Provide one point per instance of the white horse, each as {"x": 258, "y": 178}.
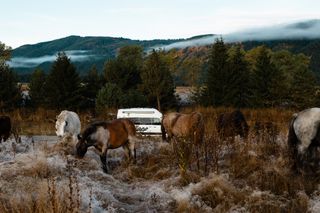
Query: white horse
{"x": 68, "y": 122}
{"x": 304, "y": 135}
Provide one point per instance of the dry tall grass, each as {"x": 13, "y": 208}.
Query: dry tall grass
{"x": 236, "y": 175}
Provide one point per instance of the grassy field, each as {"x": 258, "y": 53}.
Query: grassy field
{"x": 251, "y": 175}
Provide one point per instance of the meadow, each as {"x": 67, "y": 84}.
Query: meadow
{"x": 235, "y": 175}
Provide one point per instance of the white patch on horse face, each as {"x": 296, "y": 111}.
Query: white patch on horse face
{"x": 60, "y": 126}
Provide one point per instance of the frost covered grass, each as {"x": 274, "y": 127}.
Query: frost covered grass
{"x": 235, "y": 175}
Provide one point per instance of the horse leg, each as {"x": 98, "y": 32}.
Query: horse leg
{"x": 103, "y": 158}
{"x": 6, "y": 136}
{"x": 126, "y": 151}
{"x": 132, "y": 150}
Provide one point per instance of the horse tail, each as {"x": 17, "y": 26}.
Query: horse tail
{"x": 163, "y": 131}
{"x": 293, "y": 140}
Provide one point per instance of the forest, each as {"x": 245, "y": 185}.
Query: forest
{"x": 221, "y": 74}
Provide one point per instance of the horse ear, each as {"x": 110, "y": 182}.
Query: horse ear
{"x": 79, "y": 137}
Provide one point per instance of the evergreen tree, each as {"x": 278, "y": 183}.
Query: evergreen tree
{"x": 238, "y": 92}
{"x": 109, "y": 96}
{"x": 218, "y": 76}
{"x": 63, "y": 84}
{"x": 37, "y": 87}
{"x": 157, "y": 81}
{"x": 92, "y": 83}
{"x": 303, "y": 90}
{"x": 125, "y": 69}
{"x": 9, "y": 92}
{"x": 266, "y": 80}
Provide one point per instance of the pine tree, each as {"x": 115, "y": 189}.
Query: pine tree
{"x": 63, "y": 84}
{"x": 218, "y": 76}
{"x": 303, "y": 90}
{"x": 37, "y": 87}
{"x": 265, "y": 79}
{"x": 9, "y": 92}
{"x": 125, "y": 69}
{"x": 157, "y": 81}
{"x": 92, "y": 83}
{"x": 109, "y": 96}
{"x": 238, "y": 92}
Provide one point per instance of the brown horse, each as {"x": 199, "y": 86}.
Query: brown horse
{"x": 231, "y": 124}
{"x": 183, "y": 125}
{"x": 108, "y": 135}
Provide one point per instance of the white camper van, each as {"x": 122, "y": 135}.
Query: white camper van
{"x": 146, "y": 120}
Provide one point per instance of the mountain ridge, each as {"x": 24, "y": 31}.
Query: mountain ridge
{"x": 86, "y": 51}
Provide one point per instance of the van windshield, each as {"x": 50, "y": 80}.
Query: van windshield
{"x": 147, "y": 121}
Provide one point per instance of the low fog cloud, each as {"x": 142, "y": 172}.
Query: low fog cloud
{"x": 74, "y": 55}
{"x": 302, "y": 30}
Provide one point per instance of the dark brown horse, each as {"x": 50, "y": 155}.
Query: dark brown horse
{"x": 5, "y": 127}
{"x": 108, "y": 135}
{"x": 231, "y": 124}
{"x": 183, "y": 125}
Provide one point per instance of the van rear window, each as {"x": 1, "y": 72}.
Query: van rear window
{"x": 147, "y": 121}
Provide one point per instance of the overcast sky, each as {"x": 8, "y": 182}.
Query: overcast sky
{"x": 33, "y": 21}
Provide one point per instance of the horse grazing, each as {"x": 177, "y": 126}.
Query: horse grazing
{"x": 183, "y": 125}
{"x": 5, "y": 127}
{"x": 304, "y": 136}
{"x": 108, "y": 135}
{"x": 231, "y": 124}
{"x": 68, "y": 122}
{"x": 178, "y": 125}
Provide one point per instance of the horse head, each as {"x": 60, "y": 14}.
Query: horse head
{"x": 82, "y": 146}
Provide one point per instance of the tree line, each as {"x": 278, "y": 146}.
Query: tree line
{"x": 257, "y": 78}
{"x": 229, "y": 76}
{"x": 132, "y": 79}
